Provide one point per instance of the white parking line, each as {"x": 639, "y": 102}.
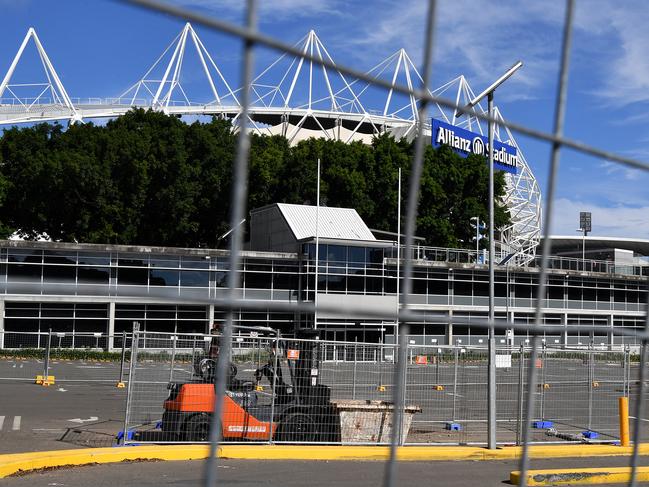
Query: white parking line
{"x": 2, "y": 421}
{"x": 16, "y": 425}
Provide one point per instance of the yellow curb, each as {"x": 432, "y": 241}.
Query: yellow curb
{"x": 22, "y": 462}
{"x": 581, "y": 476}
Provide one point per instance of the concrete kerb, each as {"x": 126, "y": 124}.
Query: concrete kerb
{"x": 581, "y": 476}
{"x": 24, "y": 462}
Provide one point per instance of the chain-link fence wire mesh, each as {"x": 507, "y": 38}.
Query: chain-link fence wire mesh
{"x": 251, "y": 37}
{"x": 315, "y": 391}
{"x": 65, "y": 356}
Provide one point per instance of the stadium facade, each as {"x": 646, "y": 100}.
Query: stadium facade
{"x": 105, "y": 288}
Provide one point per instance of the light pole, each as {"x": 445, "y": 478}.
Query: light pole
{"x": 585, "y": 225}
{"x": 491, "y": 376}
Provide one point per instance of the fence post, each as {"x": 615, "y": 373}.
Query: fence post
{"x": 193, "y": 355}
{"x": 174, "y": 339}
{"x": 354, "y": 373}
{"x": 590, "y": 384}
{"x": 521, "y": 393}
{"x": 120, "y": 382}
{"x": 544, "y": 364}
{"x": 381, "y": 352}
{"x": 403, "y": 401}
{"x": 627, "y": 370}
{"x": 135, "y": 338}
{"x": 273, "y": 393}
{"x": 455, "y": 381}
{"x": 437, "y": 368}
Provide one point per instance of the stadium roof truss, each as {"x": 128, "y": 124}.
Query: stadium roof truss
{"x": 294, "y": 97}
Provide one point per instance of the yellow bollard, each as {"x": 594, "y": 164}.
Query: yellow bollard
{"x": 623, "y": 404}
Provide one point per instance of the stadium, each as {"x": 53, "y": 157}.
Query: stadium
{"x": 87, "y": 289}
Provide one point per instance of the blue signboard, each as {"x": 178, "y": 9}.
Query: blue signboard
{"x": 464, "y": 142}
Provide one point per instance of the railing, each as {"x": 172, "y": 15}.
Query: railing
{"x": 466, "y": 256}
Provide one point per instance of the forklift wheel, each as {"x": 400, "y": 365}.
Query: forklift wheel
{"x": 297, "y": 427}
{"x": 197, "y": 428}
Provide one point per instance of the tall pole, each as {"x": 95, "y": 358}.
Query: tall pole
{"x": 491, "y": 394}
{"x": 396, "y": 321}
{"x": 317, "y": 250}
{"x": 491, "y": 376}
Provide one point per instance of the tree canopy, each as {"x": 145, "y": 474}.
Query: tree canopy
{"x": 151, "y": 179}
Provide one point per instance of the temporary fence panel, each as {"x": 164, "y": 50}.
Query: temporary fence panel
{"x": 278, "y": 390}
{"x": 64, "y": 356}
{"x": 22, "y": 356}
{"x": 290, "y": 390}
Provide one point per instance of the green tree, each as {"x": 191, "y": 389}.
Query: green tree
{"x": 148, "y": 178}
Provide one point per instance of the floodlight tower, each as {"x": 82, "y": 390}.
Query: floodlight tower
{"x": 491, "y": 378}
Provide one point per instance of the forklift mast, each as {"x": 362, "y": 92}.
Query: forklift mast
{"x": 305, "y": 371}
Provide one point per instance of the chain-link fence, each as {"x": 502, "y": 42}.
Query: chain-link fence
{"x": 311, "y": 390}
{"x": 65, "y": 356}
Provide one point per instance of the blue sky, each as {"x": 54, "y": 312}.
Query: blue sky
{"x": 100, "y": 48}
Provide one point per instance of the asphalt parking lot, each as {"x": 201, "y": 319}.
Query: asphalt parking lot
{"x": 36, "y": 418}
{"x": 85, "y": 408}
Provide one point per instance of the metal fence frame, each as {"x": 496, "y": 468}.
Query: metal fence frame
{"x": 578, "y": 392}
{"x": 251, "y": 37}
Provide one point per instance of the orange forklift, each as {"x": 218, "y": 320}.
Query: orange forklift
{"x": 299, "y": 410}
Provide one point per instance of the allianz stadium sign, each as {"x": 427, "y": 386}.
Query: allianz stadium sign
{"x": 464, "y": 142}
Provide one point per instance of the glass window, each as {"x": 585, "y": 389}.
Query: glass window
{"x": 59, "y": 273}
{"x": 93, "y": 259}
{"x": 357, "y": 255}
{"x": 163, "y": 277}
{"x": 258, "y": 280}
{"x": 285, "y": 281}
{"x": 93, "y": 275}
{"x": 336, "y": 283}
{"x": 376, "y": 256}
{"x": 220, "y": 279}
{"x": 374, "y": 284}
{"x": 195, "y": 263}
{"x": 356, "y": 284}
{"x": 574, "y": 293}
{"x": 337, "y": 254}
{"x": 23, "y": 272}
{"x": 462, "y": 288}
{"x": 31, "y": 256}
{"x": 195, "y": 278}
{"x": 166, "y": 262}
{"x": 259, "y": 265}
{"x": 24, "y": 265}
{"x": 481, "y": 289}
{"x": 419, "y": 286}
{"x": 64, "y": 271}
{"x": 137, "y": 275}
{"x": 53, "y": 257}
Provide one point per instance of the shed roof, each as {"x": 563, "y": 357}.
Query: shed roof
{"x": 340, "y": 223}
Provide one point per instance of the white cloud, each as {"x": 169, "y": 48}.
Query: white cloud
{"x": 621, "y": 59}
{"x": 467, "y": 40}
{"x": 269, "y": 10}
{"x": 618, "y": 221}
